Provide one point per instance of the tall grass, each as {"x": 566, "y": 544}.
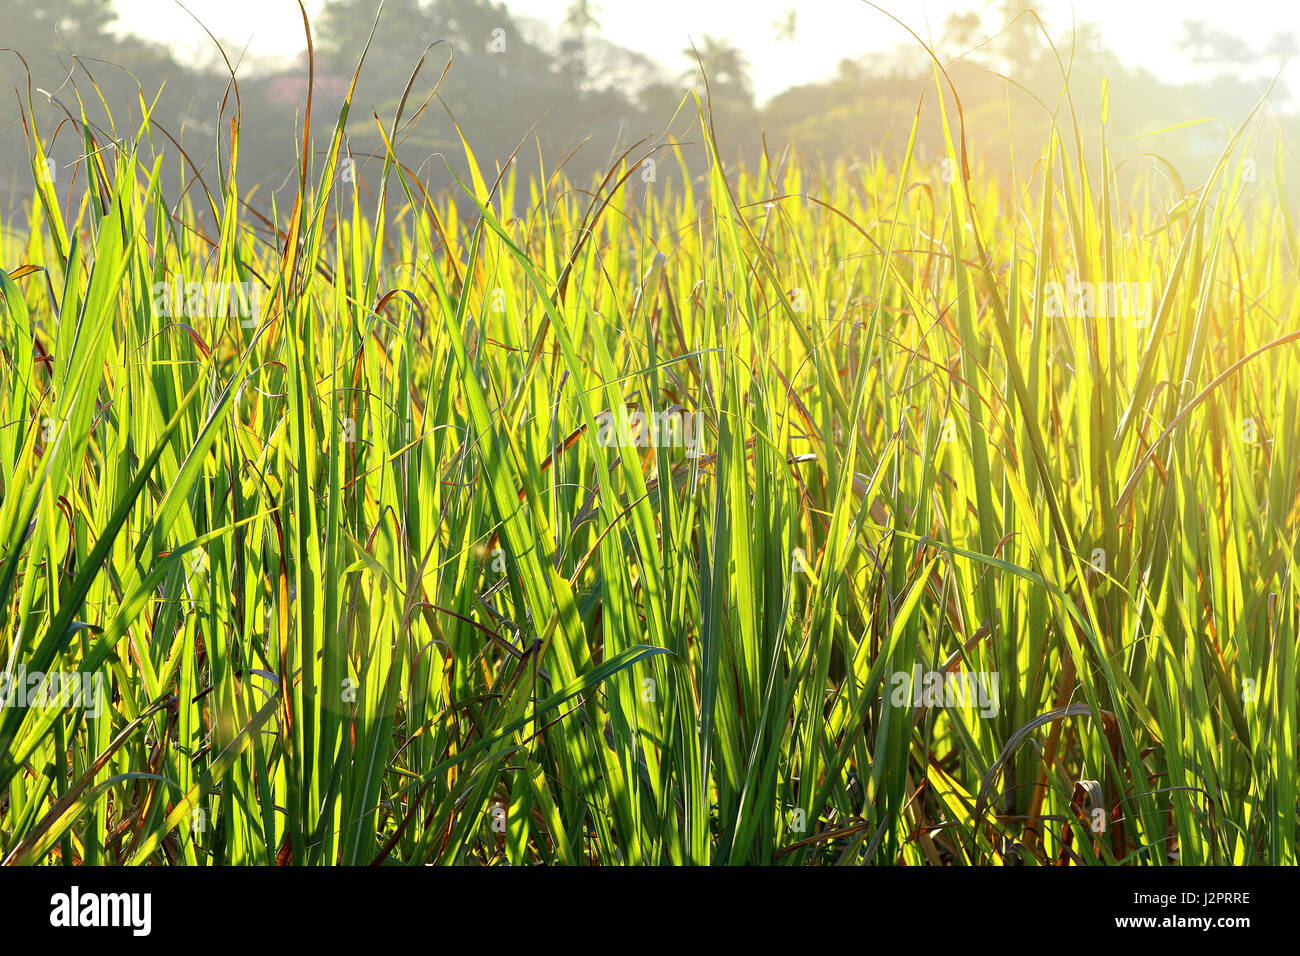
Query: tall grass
{"x": 366, "y": 584}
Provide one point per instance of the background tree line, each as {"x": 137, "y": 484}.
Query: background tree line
{"x": 563, "y": 94}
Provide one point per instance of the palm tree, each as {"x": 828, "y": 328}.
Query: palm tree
{"x": 1019, "y": 42}
{"x": 724, "y": 65}
{"x": 1195, "y": 39}
{"x": 580, "y": 18}
{"x": 959, "y": 32}
{"x": 579, "y": 21}
{"x": 785, "y": 27}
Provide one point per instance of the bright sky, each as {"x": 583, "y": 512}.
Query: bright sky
{"x": 1138, "y": 31}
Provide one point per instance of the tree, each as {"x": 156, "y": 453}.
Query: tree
{"x": 508, "y": 83}
{"x": 959, "y": 32}
{"x": 786, "y": 26}
{"x": 47, "y": 35}
{"x": 1193, "y": 40}
{"x": 1212, "y": 47}
{"x": 579, "y": 22}
{"x": 1020, "y": 42}
{"x": 724, "y": 65}
{"x": 580, "y": 18}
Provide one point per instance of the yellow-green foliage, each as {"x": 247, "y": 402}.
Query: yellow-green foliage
{"x": 370, "y": 575}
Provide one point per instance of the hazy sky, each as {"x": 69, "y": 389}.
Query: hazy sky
{"x": 1138, "y": 31}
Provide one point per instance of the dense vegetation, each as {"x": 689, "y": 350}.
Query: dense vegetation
{"x": 632, "y": 521}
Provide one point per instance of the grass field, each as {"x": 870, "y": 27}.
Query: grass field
{"x": 875, "y": 513}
